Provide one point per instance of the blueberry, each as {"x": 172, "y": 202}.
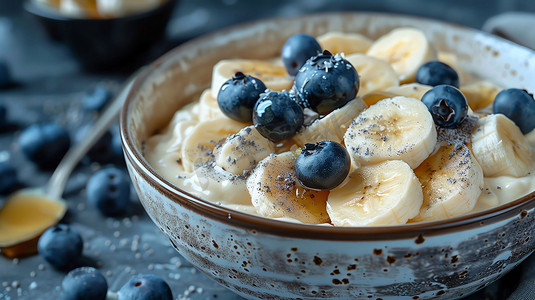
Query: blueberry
{"x": 436, "y": 73}
{"x": 297, "y": 50}
{"x": 518, "y": 105}
{"x": 276, "y": 116}
{"x": 109, "y": 191}
{"x": 116, "y": 144}
{"x": 8, "y": 177}
{"x": 326, "y": 82}
{"x": 85, "y": 283}
{"x": 5, "y": 75}
{"x": 3, "y": 115}
{"x": 45, "y": 144}
{"x": 238, "y": 95}
{"x": 145, "y": 287}
{"x": 322, "y": 166}
{"x": 447, "y": 105}
{"x": 61, "y": 246}
{"x": 97, "y": 99}
{"x": 101, "y": 150}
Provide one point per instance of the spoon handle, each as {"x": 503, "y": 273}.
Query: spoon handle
{"x": 58, "y": 180}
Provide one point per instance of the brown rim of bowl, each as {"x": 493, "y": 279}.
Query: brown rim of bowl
{"x": 256, "y": 223}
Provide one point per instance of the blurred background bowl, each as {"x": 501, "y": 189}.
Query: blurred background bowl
{"x": 108, "y": 42}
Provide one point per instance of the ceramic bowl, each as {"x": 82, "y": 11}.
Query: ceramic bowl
{"x": 104, "y": 43}
{"x": 263, "y": 258}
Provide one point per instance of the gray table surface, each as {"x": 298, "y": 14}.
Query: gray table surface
{"x": 51, "y": 85}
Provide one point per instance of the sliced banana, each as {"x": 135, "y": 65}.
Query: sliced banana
{"x": 395, "y": 128}
{"x": 333, "y": 126}
{"x": 406, "y": 49}
{"x": 376, "y": 96}
{"x": 201, "y": 140}
{"x": 374, "y": 74}
{"x": 480, "y": 94}
{"x": 242, "y": 151}
{"x": 500, "y": 147}
{"x": 208, "y": 107}
{"x": 276, "y": 193}
{"x": 342, "y": 42}
{"x": 452, "y": 181}
{"x": 387, "y": 193}
{"x": 411, "y": 90}
{"x": 272, "y": 73}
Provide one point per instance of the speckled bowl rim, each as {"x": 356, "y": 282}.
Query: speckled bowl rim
{"x": 209, "y": 209}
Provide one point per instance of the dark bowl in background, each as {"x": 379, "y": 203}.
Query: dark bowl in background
{"x": 104, "y": 43}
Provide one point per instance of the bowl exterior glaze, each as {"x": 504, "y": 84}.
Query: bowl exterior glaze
{"x": 263, "y": 258}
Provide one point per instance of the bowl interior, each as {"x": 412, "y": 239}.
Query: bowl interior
{"x": 181, "y": 75}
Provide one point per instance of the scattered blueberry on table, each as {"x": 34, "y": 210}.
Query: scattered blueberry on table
{"x": 326, "y": 82}
{"x": 109, "y": 191}
{"x": 435, "y": 73}
{"x": 45, "y": 144}
{"x": 447, "y": 105}
{"x": 238, "y": 95}
{"x": 101, "y": 150}
{"x": 97, "y": 99}
{"x": 322, "y": 166}
{"x": 84, "y": 283}
{"x": 518, "y": 105}
{"x": 5, "y": 75}
{"x": 3, "y": 115}
{"x": 145, "y": 287}
{"x": 277, "y": 116}
{"x": 8, "y": 177}
{"x": 297, "y": 50}
{"x": 61, "y": 246}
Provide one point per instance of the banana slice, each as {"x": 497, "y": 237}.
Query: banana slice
{"x": 272, "y": 73}
{"x": 276, "y": 193}
{"x": 343, "y": 42}
{"x": 452, "y": 181}
{"x": 480, "y": 94}
{"x": 374, "y": 74}
{"x": 208, "y": 107}
{"x": 242, "y": 151}
{"x": 411, "y": 90}
{"x": 395, "y": 128}
{"x": 500, "y": 147}
{"x": 331, "y": 127}
{"x": 201, "y": 140}
{"x": 452, "y": 60}
{"x": 406, "y": 49}
{"x": 376, "y": 96}
{"x": 387, "y": 193}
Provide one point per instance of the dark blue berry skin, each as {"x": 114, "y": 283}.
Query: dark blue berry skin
{"x": 101, "y": 150}
{"x": 84, "y": 283}
{"x": 276, "y": 116}
{"x": 447, "y": 105}
{"x": 435, "y": 73}
{"x": 322, "y": 166}
{"x": 97, "y": 99}
{"x": 297, "y": 50}
{"x": 145, "y": 287}
{"x": 109, "y": 191}
{"x": 326, "y": 82}
{"x": 518, "y": 105}
{"x": 45, "y": 144}
{"x": 238, "y": 95}
{"x": 3, "y": 116}
{"x": 5, "y": 75}
{"x": 116, "y": 144}
{"x": 8, "y": 177}
{"x": 61, "y": 246}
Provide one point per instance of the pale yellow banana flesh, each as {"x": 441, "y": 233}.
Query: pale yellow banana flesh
{"x": 395, "y": 128}
{"x": 347, "y": 43}
{"x": 480, "y": 94}
{"x": 374, "y": 74}
{"x": 208, "y": 107}
{"x": 276, "y": 193}
{"x": 331, "y": 127}
{"x": 242, "y": 151}
{"x": 411, "y": 90}
{"x": 406, "y": 49}
{"x": 198, "y": 146}
{"x": 271, "y": 73}
{"x": 500, "y": 147}
{"x": 387, "y": 193}
{"x": 452, "y": 181}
